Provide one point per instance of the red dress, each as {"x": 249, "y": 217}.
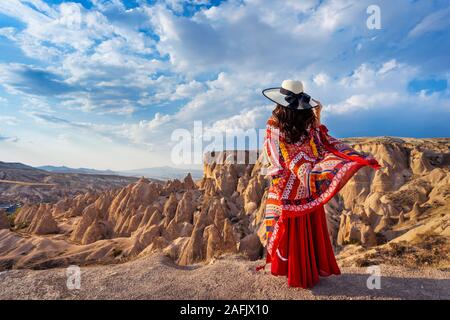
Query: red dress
{"x": 305, "y": 175}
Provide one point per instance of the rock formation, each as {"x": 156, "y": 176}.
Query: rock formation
{"x": 355, "y": 228}
{"x": 43, "y": 224}
{"x": 37, "y": 220}
{"x": 251, "y": 246}
{"x": 224, "y": 212}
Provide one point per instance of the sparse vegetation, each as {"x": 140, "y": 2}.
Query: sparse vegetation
{"x": 11, "y": 218}
{"x": 432, "y": 250}
{"x": 350, "y": 242}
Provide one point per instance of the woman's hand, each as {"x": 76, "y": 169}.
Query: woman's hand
{"x": 317, "y": 111}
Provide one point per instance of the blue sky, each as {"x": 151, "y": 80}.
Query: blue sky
{"x": 104, "y": 83}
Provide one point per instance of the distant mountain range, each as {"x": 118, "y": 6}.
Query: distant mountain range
{"x": 15, "y": 165}
{"x": 161, "y": 173}
{"x": 65, "y": 169}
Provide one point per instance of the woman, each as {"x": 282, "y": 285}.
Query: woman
{"x": 307, "y": 168}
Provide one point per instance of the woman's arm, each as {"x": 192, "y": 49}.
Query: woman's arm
{"x": 341, "y": 149}
{"x": 336, "y": 145}
{"x": 317, "y": 112}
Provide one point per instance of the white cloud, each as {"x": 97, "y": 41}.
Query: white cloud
{"x": 321, "y": 79}
{"x": 248, "y": 119}
{"x": 374, "y": 87}
{"x": 362, "y": 77}
{"x": 8, "y": 32}
{"x": 359, "y": 102}
{"x": 177, "y": 5}
{"x": 8, "y": 120}
{"x": 436, "y": 21}
{"x": 104, "y": 60}
{"x": 188, "y": 90}
{"x": 388, "y": 66}
{"x": 144, "y": 132}
{"x": 334, "y": 15}
{"x": 226, "y": 95}
{"x": 261, "y": 35}
{"x": 137, "y": 74}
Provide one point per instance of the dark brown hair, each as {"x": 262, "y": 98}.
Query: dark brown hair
{"x": 293, "y": 123}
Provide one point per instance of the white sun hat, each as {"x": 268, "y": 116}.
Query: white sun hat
{"x": 290, "y": 95}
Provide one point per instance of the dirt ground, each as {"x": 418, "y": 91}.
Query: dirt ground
{"x": 231, "y": 277}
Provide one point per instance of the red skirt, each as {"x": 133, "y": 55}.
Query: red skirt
{"x": 305, "y": 251}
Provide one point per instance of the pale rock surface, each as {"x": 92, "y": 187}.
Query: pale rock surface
{"x": 185, "y": 208}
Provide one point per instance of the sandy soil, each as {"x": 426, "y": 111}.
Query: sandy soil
{"x": 231, "y": 277}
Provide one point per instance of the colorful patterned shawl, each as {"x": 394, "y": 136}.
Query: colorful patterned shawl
{"x": 305, "y": 175}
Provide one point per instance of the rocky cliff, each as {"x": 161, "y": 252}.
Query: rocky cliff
{"x": 403, "y": 205}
